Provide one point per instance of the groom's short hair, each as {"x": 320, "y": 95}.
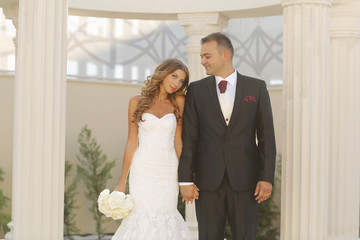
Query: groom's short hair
{"x": 221, "y": 39}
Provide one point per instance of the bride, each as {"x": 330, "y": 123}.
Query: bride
{"x": 152, "y": 151}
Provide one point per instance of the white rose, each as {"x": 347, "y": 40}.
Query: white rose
{"x": 129, "y": 202}
{"x": 103, "y": 201}
{"x": 116, "y": 199}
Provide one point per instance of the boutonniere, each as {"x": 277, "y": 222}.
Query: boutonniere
{"x": 248, "y": 99}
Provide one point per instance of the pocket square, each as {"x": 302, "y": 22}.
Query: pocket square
{"x": 248, "y": 99}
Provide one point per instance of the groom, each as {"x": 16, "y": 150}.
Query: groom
{"x": 228, "y": 145}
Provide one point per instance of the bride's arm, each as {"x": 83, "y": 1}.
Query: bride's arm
{"x": 180, "y": 100}
{"x": 131, "y": 145}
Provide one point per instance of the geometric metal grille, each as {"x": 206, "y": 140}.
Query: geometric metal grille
{"x": 129, "y": 50}
{"x": 258, "y": 50}
{"x": 258, "y": 47}
{"x": 137, "y": 51}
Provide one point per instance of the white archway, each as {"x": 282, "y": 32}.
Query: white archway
{"x": 319, "y": 143}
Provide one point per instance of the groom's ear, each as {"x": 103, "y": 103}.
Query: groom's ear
{"x": 226, "y": 55}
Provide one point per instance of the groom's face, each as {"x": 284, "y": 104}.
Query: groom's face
{"x": 212, "y": 58}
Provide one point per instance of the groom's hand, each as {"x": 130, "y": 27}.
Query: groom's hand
{"x": 189, "y": 193}
{"x": 263, "y": 191}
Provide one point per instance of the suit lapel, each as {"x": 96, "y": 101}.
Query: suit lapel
{"x": 215, "y": 99}
{"x": 241, "y": 87}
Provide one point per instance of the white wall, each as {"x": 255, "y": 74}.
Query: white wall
{"x": 103, "y": 108}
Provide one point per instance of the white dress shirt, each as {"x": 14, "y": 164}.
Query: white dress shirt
{"x": 226, "y": 99}
{"x": 230, "y": 88}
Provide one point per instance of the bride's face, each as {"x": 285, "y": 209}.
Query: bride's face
{"x": 173, "y": 81}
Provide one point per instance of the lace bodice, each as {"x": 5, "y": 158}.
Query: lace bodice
{"x": 157, "y": 134}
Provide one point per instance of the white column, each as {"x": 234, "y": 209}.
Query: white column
{"x": 197, "y": 26}
{"x": 344, "y": 180}
{"x": 304, "y": 202}
{"x": 39, "y": 121}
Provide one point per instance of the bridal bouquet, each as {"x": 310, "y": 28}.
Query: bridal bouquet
{"x": 116, "y": 205}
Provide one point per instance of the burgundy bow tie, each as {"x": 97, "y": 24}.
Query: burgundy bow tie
{"x": 222, "y": 86}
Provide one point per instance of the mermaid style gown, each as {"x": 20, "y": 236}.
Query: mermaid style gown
{"x": 154, "y": 185}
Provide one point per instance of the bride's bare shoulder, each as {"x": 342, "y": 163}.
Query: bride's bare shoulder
{"x": 134, "y": 102}
{"x": 135, "y": 99}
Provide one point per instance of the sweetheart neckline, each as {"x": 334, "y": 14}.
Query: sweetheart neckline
{"x": 158, "y": 117}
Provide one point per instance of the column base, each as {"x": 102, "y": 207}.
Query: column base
{"x": 10, "y": 235}
{"x": 343, "y": 238}
{"x": 193, "y": 227}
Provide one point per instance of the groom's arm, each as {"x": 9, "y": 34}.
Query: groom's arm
{"x": 266, "y": 146}
{"x": 188, "y": 190}
{"x": 265, "y": 136}
{"x": 189, "y": 137}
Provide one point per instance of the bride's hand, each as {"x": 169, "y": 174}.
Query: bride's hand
{"x": 120, "y": 188}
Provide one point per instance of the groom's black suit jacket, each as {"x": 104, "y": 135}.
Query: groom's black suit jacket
{"x": 245, "y": 148}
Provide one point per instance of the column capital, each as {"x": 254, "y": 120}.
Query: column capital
{"x": 285, "y": 3}
{"x": 200, "y": 19}
{"x": 345, "y": 19}
{"x": 12, "y": 12}
{"x": 197, "y": 26}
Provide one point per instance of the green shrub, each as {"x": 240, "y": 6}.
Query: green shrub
{"x": 94, "y": 170}
{"x": 4, "y": 218}
{"x": 267, "y": 214}
{"x": 181, "y": 206}
{"x": 70, "y": 227}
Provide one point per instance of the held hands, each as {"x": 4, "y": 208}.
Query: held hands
{"x": 189, "y": 193}
{"x": 263, "y": 191}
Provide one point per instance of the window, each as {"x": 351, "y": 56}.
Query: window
{"x": 119, "y": 71}
{"x": 72, "y": 67}
{"x": 91, "y": 69}
{"x": 119, "y": 28}
{"x": 134, "y": 73}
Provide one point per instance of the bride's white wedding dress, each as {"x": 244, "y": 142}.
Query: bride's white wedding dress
{"x": 154, "y": 185}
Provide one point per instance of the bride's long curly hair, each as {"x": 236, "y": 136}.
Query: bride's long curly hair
{"x": 152, "y": 87}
